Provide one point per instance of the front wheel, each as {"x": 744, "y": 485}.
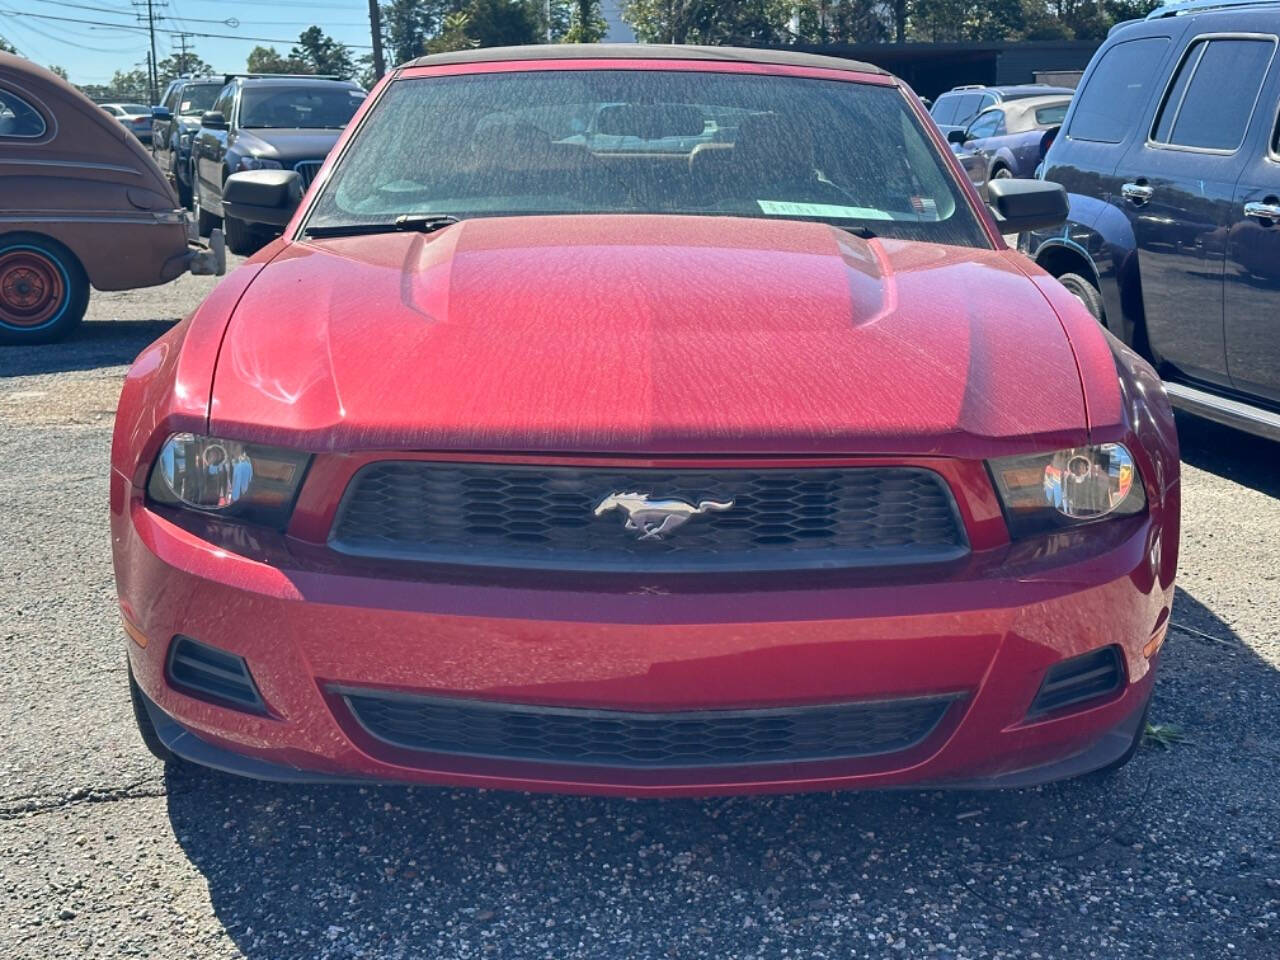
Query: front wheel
{"x": 1085, "y": 292}
{"x": 205, "y": 221}
{"x": 242, "y": 239}
{"x": 1002, "y": 173}
{"x": 44, "y": 291}
{"x": 146, "y": 729}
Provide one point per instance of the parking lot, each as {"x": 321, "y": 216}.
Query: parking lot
{"x": 104, "y": 853}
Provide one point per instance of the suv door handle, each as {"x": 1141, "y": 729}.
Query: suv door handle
{"x": 1268, "y": 209}
{"x": 1137, "y": 192}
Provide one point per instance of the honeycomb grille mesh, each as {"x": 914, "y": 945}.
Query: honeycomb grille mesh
{"x": 544, "y": 517}
{"x": 614, "y": 738}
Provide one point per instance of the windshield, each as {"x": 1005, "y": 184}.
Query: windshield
{"x": 197, "y": 98}
{"x": 648, "y": 141}
{"x": 309, "y": 107}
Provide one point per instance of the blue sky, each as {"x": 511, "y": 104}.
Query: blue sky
{"x": 93, "y": 51}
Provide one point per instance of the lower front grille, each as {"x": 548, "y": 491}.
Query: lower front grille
{"x": 699, "y": 738}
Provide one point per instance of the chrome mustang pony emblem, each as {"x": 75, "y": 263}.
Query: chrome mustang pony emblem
{"x": 654, "y": 519}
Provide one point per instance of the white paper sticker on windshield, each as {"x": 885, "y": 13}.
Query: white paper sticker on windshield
{"x": 784, "y": 208}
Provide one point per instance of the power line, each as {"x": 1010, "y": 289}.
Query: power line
{"x": 125, "y": 26}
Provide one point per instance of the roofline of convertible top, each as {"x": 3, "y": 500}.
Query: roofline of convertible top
{"x": 645, "y": 51}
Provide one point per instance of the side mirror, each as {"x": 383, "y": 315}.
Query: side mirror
{"x": 161, "y": 113}
{"x": 213, "y": 119}
{"x": 959, "y": 137}
{"x": 262, "y": 196}
{"x": 1022, "y": 205}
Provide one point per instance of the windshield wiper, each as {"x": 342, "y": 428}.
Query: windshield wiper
{"x": 409, "y": 222}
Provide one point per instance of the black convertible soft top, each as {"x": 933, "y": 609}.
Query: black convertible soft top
{"x": 644, "y": 51}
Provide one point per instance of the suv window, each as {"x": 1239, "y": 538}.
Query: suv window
{"x": 1117, "y": 90}
{"x": 18, "y": 118}
{"x": 969, "y": 105}
{"x": 171, "y": 97}
{"x": 1213, "y": 94}
{"x": 944, "y": 108}
{"x": 225, "y": 101}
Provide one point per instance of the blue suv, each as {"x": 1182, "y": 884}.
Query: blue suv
{"x": 1170, "y": 154}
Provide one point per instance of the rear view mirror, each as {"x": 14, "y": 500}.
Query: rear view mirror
{"x": 262, "y": 196}
{"x": 1021, "y": 205}
{"x": 213, "y": 119}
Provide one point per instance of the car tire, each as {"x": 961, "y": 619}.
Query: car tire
{"x": 1086, "y": 293}
{"x": 44, "y": 290}
{"x": 205, "y": 221}
{"x": 242, "y": 239}
{"x": 146, "y": 729}
{"x": 184, "y": 192}
{"x": 1001, "y": 173}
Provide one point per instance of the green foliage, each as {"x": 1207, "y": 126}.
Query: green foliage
{"x": 58, "y": 71}
{"x": 453, "y": 35}
{"x": 323, "y": 54}
{"x": 6, "y": 46}
{"x": 841, "y": 21}
{"x": 502, "y": 23}
{"x": 586, "y": 23}
{"x": 182, "y": 65}
{"x": 269, "y": 60}
{"x": 697, "y": 21}
{"x": 943, "y": 21}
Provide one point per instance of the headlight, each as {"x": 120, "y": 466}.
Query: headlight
{"x": 242, "y": 481}
{"x": 1048, "y": 491}
{"x": 259, "y": 163}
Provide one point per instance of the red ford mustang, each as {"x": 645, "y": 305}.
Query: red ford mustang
{"x": 649, "y": 420}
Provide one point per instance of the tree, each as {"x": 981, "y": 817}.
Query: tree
{"x": 323, "y": 54}
{"x": 268, "y": 60}
{"x": 130, "y": 85}
{"x": 6, "y": 46}
{"x": 453, "y": 35}
{"x": 502, "y": 23}
{"x": 408, "y": 25}
{"x": 186, "y": 64}
{"x": 58, "y": 71}
{"x": 697, "y": 21}
{"x": 841, "y": 21}
{"x": 952, "y": 21}
{"x": 586, "y": 23}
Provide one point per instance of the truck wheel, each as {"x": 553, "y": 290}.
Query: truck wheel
{"x": 1085, "y": 292}
{"x": 242, "y": 239}
{"x": 205, "y": 221}
{"x": 43, "y": 289}
{"x": 184, "y": 192}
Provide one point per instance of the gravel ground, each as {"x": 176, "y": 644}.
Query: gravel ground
{"x": 104, "y": 853}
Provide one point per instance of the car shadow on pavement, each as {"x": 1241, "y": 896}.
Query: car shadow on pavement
{"x": 304, "y": 871}
{"x": 1232, "y": 454}
{"x": 94, "y": 344}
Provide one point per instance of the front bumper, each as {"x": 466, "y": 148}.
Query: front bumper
{"x": 985, "y": 634}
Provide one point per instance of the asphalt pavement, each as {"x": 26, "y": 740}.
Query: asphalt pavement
{"x": 104, "y": 853}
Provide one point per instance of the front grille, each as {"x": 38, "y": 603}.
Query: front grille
{"x": 706, "y": 738}
{"x": 308, "y": 169}
{"x": 499, "y": 515}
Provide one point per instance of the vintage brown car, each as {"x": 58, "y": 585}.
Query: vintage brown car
{"x": 81, "y": 204}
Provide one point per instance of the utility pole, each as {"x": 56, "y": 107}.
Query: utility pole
{"x": 151, "y": 6}
{"x": 375, "y": 25}
{"x": 182, "y": 39}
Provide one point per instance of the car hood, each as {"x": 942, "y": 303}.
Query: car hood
{"x": 632, "y": 334}
{"x": 290, "y": 144}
